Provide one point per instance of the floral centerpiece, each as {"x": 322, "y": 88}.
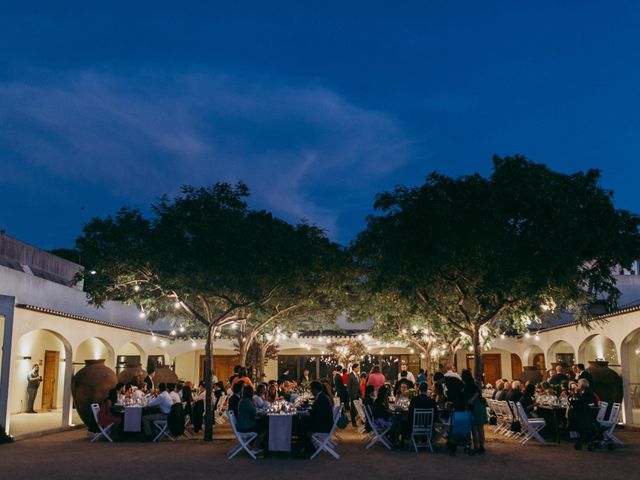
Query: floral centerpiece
{"x": 281, "y": 407}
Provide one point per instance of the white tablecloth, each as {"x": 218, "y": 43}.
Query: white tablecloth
{"x": 132, "y": 419}
{"x": 280, "y": 433}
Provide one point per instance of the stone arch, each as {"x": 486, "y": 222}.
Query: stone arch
{"x": 125, "y": 355}
{"x": 630, "y": 356}
{"x": 30, "y": 349}
{"x": 599, "y": 346}
{"x": 563, "y": 352}
{"x": 93, "y": 348}
{"x": 531, "y": 353}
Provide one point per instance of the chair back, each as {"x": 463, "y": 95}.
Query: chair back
{"x": 337, "y": 413}
{"x": 221, "y": 402}
{"x": 360, "y": 409}
{"x": 368, "y": 415}
{"x": 423, "y": 421}
{"x": 95, "y": 408}
{"x": 232, "y": 421}
{"x": 615, "y": 413}
{"x": 602, "y": 410}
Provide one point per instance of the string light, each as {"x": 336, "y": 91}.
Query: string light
{"x": 173, "y": 333}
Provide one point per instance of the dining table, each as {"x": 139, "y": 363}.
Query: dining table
{"x": 553, "y": 411}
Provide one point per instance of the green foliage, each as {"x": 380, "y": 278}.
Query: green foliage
{"x": 476, "y": 251}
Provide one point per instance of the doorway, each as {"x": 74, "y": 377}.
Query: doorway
{"x": 492, "y": 365}
{"x": 222, "y": 366}
{"x": 49, "y": 379}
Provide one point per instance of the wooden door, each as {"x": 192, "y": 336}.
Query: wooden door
{"x": 222, "y": 366}
{"x": 49, "y": 379}
{"x": 538, "y": 361}
{"x": 516, "y": 366}
{"x": 492, "y": 367}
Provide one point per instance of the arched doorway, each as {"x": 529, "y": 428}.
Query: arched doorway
{"x": 52, "y": 353}
{"x": 631, "y": 376}
{"x": 562, "y": 352}
{"x": 130, "y": 354}
{"x": 599, "y": 347}
{"x": 534, "y": 357}
{"x": 94, "y": 348}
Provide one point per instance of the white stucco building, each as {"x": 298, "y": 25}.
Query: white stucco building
{"x": 43, "y": 320}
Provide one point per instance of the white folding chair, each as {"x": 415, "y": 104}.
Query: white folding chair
{"x": 362, "y": 427}
{"x": 244, "y": 439}
{"x": 602, "y": 410}
{"x": 104, "y": 432}
{"x": 379, "y": 432}
{"x": 162, "y": 426}
{"x": 515, "y": 417}
{"x": 219, "y": 415}
{"x": 422, "y": 428}
{"x": 530, "y": 426}
{"x": 611, "y": 423}
{"x": 323, "y": 441}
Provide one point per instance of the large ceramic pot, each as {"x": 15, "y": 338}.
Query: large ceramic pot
{"x": 133, "y": 374}
{"x": 607, "y": 383}
{"x": 530, "y": 374}
{"x": 164, "y": 374}
{"x": 91, "y": 385}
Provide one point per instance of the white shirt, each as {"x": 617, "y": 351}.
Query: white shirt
{"x": 260, "y": 402}
{"x": 163, "y": 401}
{"x": 410, "y": 376}
{"x": 175, "y": 398}
{"x": 451, "y": 373}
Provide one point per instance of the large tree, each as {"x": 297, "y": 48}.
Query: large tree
{"x": 487, "y": 253}
{"x": 202, "y": 258}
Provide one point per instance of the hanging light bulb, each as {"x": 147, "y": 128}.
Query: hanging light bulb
{"x": 234, "y": 326}
{"x": 182, "y": 329}
{"x": 136, "y": 288}
{"x": 173, "y": 333}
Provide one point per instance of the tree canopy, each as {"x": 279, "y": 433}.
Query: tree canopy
{"x": 482, "y": 253}
{"x": 206, "y": 259}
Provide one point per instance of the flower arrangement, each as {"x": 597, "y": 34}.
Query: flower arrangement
{"x": 282, "y": 407}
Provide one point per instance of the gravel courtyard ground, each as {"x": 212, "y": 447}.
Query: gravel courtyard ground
{"x": 68, "y": 455}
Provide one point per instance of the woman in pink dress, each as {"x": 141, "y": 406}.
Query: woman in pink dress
{"x": 376, "y": 378}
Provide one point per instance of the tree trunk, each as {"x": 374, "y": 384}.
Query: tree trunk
{"x": 261, "y": 362}
{"x": 478, "y": 367}
{"x": 242, "y": 351}
{"x": 208, "y": 404}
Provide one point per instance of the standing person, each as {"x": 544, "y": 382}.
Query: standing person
{"x": 148, "y": 380}
{"x": 376, "y": 378}
{"x": 353, "y": 387}
{"x": 580, "y": 372}
{"x": 285, "y": 376}
{"x": 409, "y": 376}
{"x": 339, "y": 386}
{"x": 422, "y": 377}
{"x": 33, "y": 383}
{"x": 477, "y": 407}
{"x": 363, "y": 382}
{"x": 305, "y": 379}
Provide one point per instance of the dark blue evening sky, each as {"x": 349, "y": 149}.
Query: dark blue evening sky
{"x": 316, "y": 105}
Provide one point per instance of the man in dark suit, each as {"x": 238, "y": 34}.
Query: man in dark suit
{"x": 353, "y": 388}
{"x": 339, "y": 386}
{"x": 234, "y": 400}
{"x": 580, "y": 372}
{"x": 422, "y": 401}
{"x": 151, "y": 372}
{"x": 320, "y": 419}
{"x": 559, "y": 377}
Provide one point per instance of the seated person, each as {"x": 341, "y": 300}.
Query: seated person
{"x": 515, "y": 394}
{"x": 234, "y": 400}
{"x": 242, "y": 377}
{"x": 381, "y": 415}
{"x": 286, "y": 391}
{"x": 163, "y": 403}
{"x": 272, "y": 392}
{"x": 402, "y": 380}
{"x": 404, "y": 394}
{"x": 558, "y": 377}
{"x": 438, "y": 390}
{"x": 106, "y": 418}
{"x": 422, "y": 401}
{"x": 528, "y": 400}
{"x": 320, "y": 419}
{"x": 260, "y": 398}
{"x": 175, "y": 397}
{"x": 247, "y": 418}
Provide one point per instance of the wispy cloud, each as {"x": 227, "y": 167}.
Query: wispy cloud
{"x": 146, "y": 134}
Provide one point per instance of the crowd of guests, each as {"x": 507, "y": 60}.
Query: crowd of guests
{"x": 575, "y": 391}
{"x": 246, "y": 398}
